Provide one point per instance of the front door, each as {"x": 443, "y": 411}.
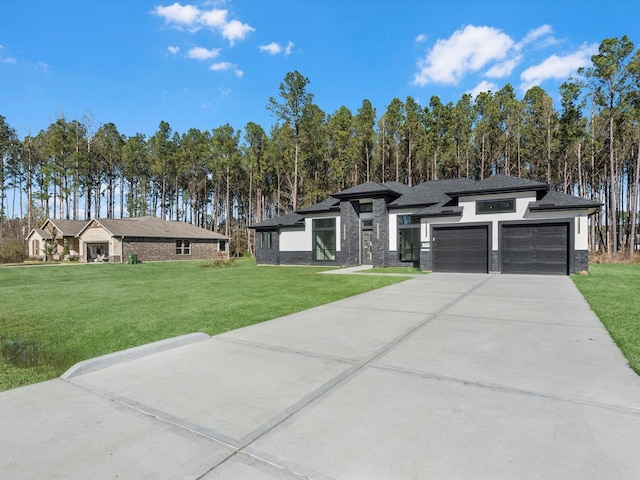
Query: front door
{"x": 367, "y": 247}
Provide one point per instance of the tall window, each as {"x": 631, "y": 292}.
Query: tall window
{"x": 264, "y": 240}
{"x": 183, "y": 247}
{"x": 324, "y": 239}
{"x": 408, "y": 238}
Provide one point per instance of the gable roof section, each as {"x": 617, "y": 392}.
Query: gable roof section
{"x": 43, "y": 234}
{"x": 66, "y": 228}
{"x": 562, "y": 201}
{"x": 152, "y": 227}
{"x": 330, "y": 204}
{"x": 431, "y": 192}
{"x": 500, "y": 183}
{"x": 289, "y": 220}
{"x": 368, "y": 189}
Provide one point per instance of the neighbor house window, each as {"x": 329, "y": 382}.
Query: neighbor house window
{"x": 223, "y": 246}
{"x": 408, "y": 238}
{"x": 324, "y": 239}
{"x": 183, "y": 247}
{"x": 35, "y": 247}
{"x": 496, "y": 206}
{"x": 264, "y": 240}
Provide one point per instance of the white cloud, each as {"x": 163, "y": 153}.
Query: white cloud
{"x": 173, "y": 50}
{"x": 533, "y": 35}
{"x": 235, "y": 30}
{"x": 191, "y": 19}
{"x": 200, "y": 53}
{"x": 467, "y": 50}
{"x": 220, "y": 66}
{"x": 421, "y": 38}
{"x": 181, "y": 15}
{"x": 274, "y": 48}
{"x": 557, "y": 67}
{"x": 504, "y": 69}
{"x": 214, "y": 18}
{"x": 483, "y": 86}
{"x": 9, "y": 60}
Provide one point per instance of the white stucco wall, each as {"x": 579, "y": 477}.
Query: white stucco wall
{"x": 300, "y": 239}
{"x": 522, "y": 212}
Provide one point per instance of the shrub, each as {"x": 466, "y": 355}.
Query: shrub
{"x": 12, "y": 252}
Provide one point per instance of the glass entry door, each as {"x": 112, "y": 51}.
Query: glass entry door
{"x": 367, "y": 247}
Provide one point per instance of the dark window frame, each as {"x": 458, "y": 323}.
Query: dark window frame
{"x": 183, "y": 247}
{"x": 409, "y": 232}
{"x": 324, "y": 239}
{"x": 265, "y": 241}
{"x": 502, "y": 205}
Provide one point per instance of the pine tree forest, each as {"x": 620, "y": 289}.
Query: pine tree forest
{"x": 585, "y": 142}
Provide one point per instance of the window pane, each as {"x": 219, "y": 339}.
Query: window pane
{"x": 178, "y": 247}
{"x": 324, "y": 245}
{"x": 492, "y": 206}
{"x": 186, "y": 248}
{"x": 409, "y": 244}
{"x": 324, "y": 223}
{"x": 366, "y": 207}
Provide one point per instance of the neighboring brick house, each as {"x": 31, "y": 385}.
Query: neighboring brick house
{"x": 499, "y": 224}
{"x": 65, "y": 231}
{"x": 150, "y": 238}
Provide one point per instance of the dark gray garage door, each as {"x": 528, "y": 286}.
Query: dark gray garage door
{"x": 460, "y": 249}
{"x": 537, "y": 248}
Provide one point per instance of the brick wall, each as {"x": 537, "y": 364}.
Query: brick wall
{"x": 161, "y": 249}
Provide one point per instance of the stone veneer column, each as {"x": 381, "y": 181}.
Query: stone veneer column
{"x": 349, "y": 234}
{"x": 380, "y": 232}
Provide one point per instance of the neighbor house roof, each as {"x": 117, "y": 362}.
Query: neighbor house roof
{"x": 43, "y": 233}
{"x": 289, "y": 220}
{"x": 152, "y": 227}
{"x": 66, "y": 228}
{"x": 561, "y": 201}
{"x": 498, "y": 184}
{"x": 431, "y": 192}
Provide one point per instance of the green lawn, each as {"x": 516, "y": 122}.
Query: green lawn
{"x": 613, "y": 291}
{"x": 54, "y": 316}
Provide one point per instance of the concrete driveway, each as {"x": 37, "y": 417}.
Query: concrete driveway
{"x": 445, "y": 376}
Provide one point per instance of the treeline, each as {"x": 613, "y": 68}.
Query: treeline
{"x": 226, "y": 179}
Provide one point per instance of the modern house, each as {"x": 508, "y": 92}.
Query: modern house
{"x": 150, "y": 238}
{"x": 499, "y": 224}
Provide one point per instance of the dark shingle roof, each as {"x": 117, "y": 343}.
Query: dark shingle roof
{"x": 367, "y": 189}
{"x": 434, "y": 191}
{"x": 326, "y": 205}
{"x": 155, "y": 227}
{"x": 67, "y": 228}
{"x": 562, "y": 201}
{"x": 288, "y": 220}
{"x": 501, "y": 183}
{"x": 441, "y": 209}
{"x": 397, "y": 187}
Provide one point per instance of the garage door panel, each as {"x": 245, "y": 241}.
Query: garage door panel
{"x": 535, "y": 248}
{"x": 460, "y": 249}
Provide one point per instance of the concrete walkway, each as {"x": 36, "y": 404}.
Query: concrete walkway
{"x": 444, "y": 376}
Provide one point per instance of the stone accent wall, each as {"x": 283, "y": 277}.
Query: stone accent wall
{"x": 580, "y": 261}
{"x": 163, "y": 249}
{"x": 381, "y": 254}
{"x": 426, "y": 260}
{"x": 494, "y": 261}
{"x": 349, "y": 236}
{"x": 269, "y": 256}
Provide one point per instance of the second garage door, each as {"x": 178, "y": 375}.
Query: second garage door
{"x": 541, "y": 248}
{"x": 460, "y": 249}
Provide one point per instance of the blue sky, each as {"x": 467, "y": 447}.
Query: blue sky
{"x": 204, "y": 64}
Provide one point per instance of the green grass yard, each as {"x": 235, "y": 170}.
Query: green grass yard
{"x": 54, "y": 316}
{"x": 613, "y": 291}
